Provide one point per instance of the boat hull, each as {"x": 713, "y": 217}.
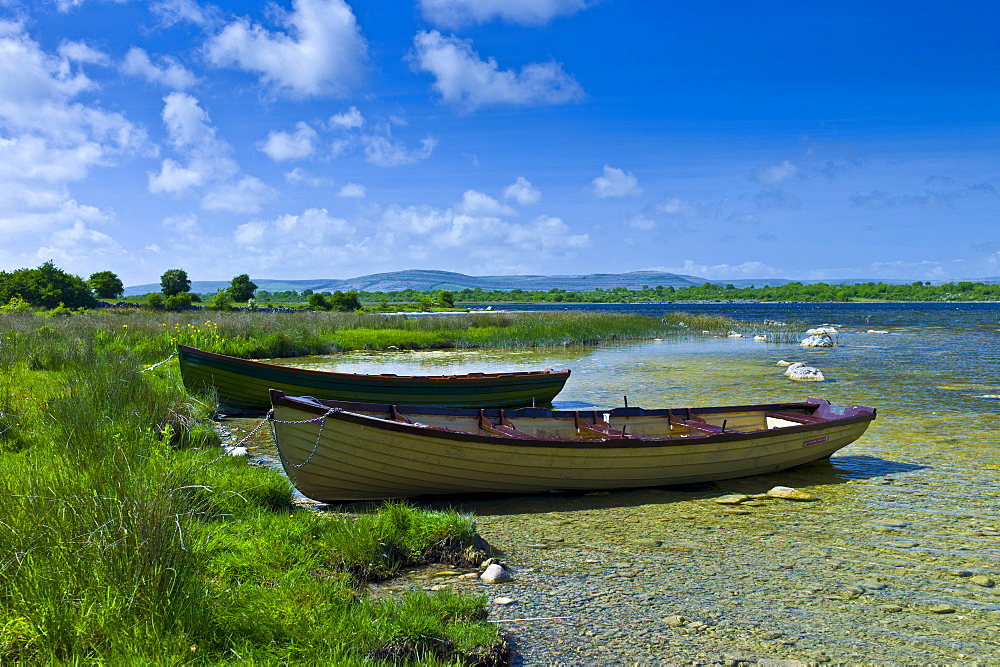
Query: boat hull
{"x": 344, "y": 457}
{"x": 242, "y": 385}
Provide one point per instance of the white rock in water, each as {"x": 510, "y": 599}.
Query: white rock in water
{"x": 818, "y": 340}
{"x": 784, "y": 363}
{"x": 804, "y": 373}
{"x": 732, "y": 499}
{"x": 236, "y": 451}
{"x": 819, "y": 331}
{"x": 494, "y": 574}
{"x": 760, "y": 338}
{"x": 788, "y": 493}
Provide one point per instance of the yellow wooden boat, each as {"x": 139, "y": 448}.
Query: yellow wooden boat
{"x": 341, "y": 451}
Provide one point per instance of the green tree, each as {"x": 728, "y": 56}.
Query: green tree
{"x": 46, "y": 287}
{"x": 317, "y": 302}
{"x": 106, "y": 285}
{"x": 241, "y": 288}
{"x": 446, "y": 299}
{"x": 345, "y": 301}
{"x": 174, "y": 281}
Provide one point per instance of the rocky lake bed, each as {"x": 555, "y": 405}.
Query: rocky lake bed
{"x": 896, "y": 561}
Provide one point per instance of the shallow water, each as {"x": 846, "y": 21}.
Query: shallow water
{"x": 891, "y": 565}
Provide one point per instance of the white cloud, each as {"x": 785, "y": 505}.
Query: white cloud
{"x": 385, "y": 238}
{"x": 291, "y": 146}
{"x": 78, "y": 246}
{"x": 172, "y": 12}
{"x": 776, "y": 173}
{"x": 352, "y": 191}
{"x": 350, "y": 119}
{"x": 82, "y": 53}
{"x": 49, "y": 140}
{"x": 209, "y": 171}
{"x": 181, "y": 223}
{"x": 678, "y": 207}
{"x": 479, "y": 204}
{"x": 383, "y": 151}
{"x": 243, "y": 196}
{"x": 66, "y": 5}
{"x": 745, "y": 219}
{"x": 172, "y": 75}
{"x": 746, "y": 270}
{"x": 616, "y": 183}
{"x": 640, "y": 222}
{"x": 459, "y": 13}
{"x": 314, "y": 228}
{"x": 464, "y": 79}
{"x": 300, "y": 176}
{"x": 523, "y": 192}
{"x": 321, "y": 51}
{"x": 174, "y": 179}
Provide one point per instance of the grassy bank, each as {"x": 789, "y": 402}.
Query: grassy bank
{"x": 127, "y": 539}
{"x": 151, "y": 336}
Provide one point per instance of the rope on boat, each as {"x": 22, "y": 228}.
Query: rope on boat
{"x": 159, "y": 363}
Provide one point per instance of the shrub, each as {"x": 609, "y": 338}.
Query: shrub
{"x": 17, "y": 306}
{"x": 178, "y": 301}
{"x": 155, "y": 301}
{"x": 223, "y": 300}
{"x": 60, "y": 311}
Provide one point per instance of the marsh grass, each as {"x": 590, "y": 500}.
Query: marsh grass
{"x": 151, "y": 336}
{"x": 776, "y": 332}
{"x": 125, "y": 538}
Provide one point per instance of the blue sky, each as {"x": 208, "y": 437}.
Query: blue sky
{"x": 328, "y": 139}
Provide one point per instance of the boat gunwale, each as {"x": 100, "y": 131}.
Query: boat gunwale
{"x": 187, "y": 354}
{"x": 329, "y": 409}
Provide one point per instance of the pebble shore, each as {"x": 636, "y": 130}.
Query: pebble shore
{"x": 673, "y": 577}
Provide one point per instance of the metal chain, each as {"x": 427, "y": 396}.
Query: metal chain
{"x": 159, "y": 363}
{"x": 269, "y": 417}
{"x": 320, "y": 421}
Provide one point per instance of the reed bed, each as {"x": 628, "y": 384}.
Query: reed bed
{"x": 127, "y": 538}
{"x": 153, "y": 335}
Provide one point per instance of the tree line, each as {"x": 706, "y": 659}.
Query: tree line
{"x": 48, "y": 287}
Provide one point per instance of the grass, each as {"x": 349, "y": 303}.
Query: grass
{"x": 126, "y": 539}
{"x": 151, "y": 336}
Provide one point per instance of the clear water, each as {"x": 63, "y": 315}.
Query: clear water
{"x": 908, "y": 517}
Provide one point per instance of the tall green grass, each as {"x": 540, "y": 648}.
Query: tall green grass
{"x": 125, "y": 538}
{"x": 151, "y": 336}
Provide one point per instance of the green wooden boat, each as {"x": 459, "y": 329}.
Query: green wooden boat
{"x": 242, "y": 385}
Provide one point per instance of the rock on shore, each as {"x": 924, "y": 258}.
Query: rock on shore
{"x": 818, "y": 340}
{"x": 799, "y": 371}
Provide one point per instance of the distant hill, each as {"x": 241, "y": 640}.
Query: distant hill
{"x": 424, "y": 280}
{"x": 446, "y": 280}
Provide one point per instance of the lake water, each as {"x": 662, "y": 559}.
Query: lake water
{"x": 896, "y": 563}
